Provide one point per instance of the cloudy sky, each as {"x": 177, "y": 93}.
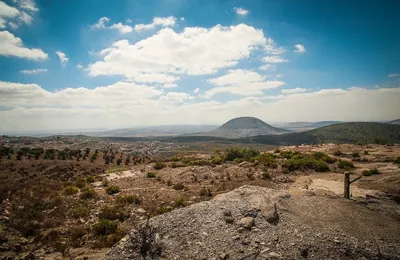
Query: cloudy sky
{"x": 125, "y": 63}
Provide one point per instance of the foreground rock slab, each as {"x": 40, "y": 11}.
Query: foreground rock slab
{"x": 309, "y": 227}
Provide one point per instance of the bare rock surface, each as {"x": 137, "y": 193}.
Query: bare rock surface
{"x": 304, "y": 227}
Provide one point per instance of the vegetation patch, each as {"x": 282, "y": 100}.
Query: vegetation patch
{"x": 116, "y": 169}
{"x": 105, "y": 227}
{"x": 159, "y": 165}
{"x": 113, "y": 189}
{"x": 79, "y": 211}
{"x": 151, "y": 175}
{"x": 129, "y": 199}
{"x": 371, "y": 172}
{"x": 88, "y": 194}
{"x": 112, "y": 213}
{"x": 70, "y": 190}
{"x": 343, "y": 164}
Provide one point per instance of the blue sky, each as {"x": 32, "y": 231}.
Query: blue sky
{"x": 109, "y": 64}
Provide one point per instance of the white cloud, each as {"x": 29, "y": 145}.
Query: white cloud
{"x": 157, "y": 22}
{"x": 63, "y": 58}
{"x": 35, "y": 71}
{"x": 28, "y": 5}
{"x": 182, "y": 19}
{"x": 274, "y": 59}
{"x": 241, "y": 82}
{"x": 271, "y": 48}
{"x": 267, "y": 67}
{"x": 240, "y": 11}
{"x": 101, "y": 24}
{"x": 170, "y": 85}
{"x": 26, "y": 18}
{"x": 13, "y": 46}
{"x": 7, "y": 12}
{"x": 194, "y": 51}
{"x": 394, "y": 75}
{"x": 299, "y": 48}
{"x": 293, "y": 90}
{"x": 13, "y": 25}
{"x": 196, "y": 90}
{"x": 79, "y": 66}
{"x": 30, "y": 107}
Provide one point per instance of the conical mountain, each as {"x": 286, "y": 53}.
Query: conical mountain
{"x": 245, "y": 127}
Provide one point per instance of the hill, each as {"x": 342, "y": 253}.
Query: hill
{"x": 396, "y": 122}
{"x": 356, "y": 132}
{"x": 245, "y": 127}
{"x": 304, "y": 126}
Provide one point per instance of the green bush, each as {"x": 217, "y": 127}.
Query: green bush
{"x": 151, "y": 175}
{"x": 129, "y": 199}
{"x": 105, "y": 227}
{"x": 216, "y": 160}
{"x": 178, "y": 186}
{"x": 343, "y": 164}
{"x": 290, "y": 154}
{"x": 90, "y": 179}
{"x": 266, "y": 159}
{"x": 113, "y": 189}
{"x": 112, "y": 213}
{"x": 159, "y": 165}
{"x": 70, "y": 190}
{"x": 180, "y": 202}
{"x": 338, "y": 153}
{"x": 371, "y": 172}
{"x": 79, "y": 211}
{"x": 80, "y": 183}
{"x": 88, "y": 194}
{"x": 236, "y": 153}
{"x": 324, "y": 157}
{"x": 298, "y": 163}
{"x": 266, "y": 176}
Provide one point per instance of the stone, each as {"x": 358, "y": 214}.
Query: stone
{"x": 229, "y": 219}
{"x": 140, "y": 211}
{"x": 246, "y": 222}
{"x": 274, "y": 255}
{"x": 273, "y": 217}
{"x": 223, "y": 256}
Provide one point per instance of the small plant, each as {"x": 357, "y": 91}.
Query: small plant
{"x": 79, "y": 211}
{"x": 80, "y": 183}
{"x": 70, "y": 190}
{"x": 90, "y": 179}
{"x": 178, "y": 186}
{"x": 371, "y": 172}
{"x": 105, "y": 227}
{"x": 112, "y": 213}
{"x": 205, "y": 192}
{"x": 151, "y": 175}
{"x": 337, "y": 153}
{"x": 129, "y": 199}
{"x": 88, "y": 194}
{"x": 343, "y": 164}
{"x": 104, "y": 182}
{"x": 180, "y": 202}
{"x": 397, "y": 160}
{"x": 266, "y": 176}
{"x": 113, "y": 189}
{"x": 366, "y": 152}
{"x": 216, "y": 160}
{"x": 355, "y": 154}
{"x": 159, "y": 165}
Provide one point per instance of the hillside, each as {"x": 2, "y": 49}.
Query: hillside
{"x": 396, "y": 122}
{"x": 304, "y": 126}
{"x": 357, "y": 132}
{"x": 245, "y": 127}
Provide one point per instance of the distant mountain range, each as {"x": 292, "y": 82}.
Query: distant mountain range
{"x": 245, "y": 127}
{"x": 396, "y": 122}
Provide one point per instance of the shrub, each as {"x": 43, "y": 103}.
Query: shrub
{"x": 105, "y": 227}
{"x": 113, "y": 189}
{"x": 266, "y": 159}
{"x": 161, "y": 210}
{"x": 70, "y": 190}
{"x": 298, "y": 163}
{"x": 205, "y": 192}
{"x": 159, "y": 165}
{"x": 397, "y": 160}
{"x": 355, "y": 154}
{"x": 180, "y": 202}
{"x": 104, "y": 182}
{"x": 88, "y": 194}
{"x": 290, "y": 154}
{"x": 343, "y": 164}
{"x": 79, "y": 211}
{"x": 151, "y": 175}
{"x": 80, "y": 183}
{"x": 216, "y": 160}
{"x": 324, "y": 157}
{"x": 266, "y": 176}
{"x": 366, "y": 152}
{"x": 236, "y": 153}
{"x": 178, "y": 186}
{"x": 90, "y": 179}
{"x": 338, "y": 153}
{"x": 129, "y": 199}
{"x": 112, "y": 213}
{"x": 371, "y": 172}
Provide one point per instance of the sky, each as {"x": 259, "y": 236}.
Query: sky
{"x": 97, "y": 64}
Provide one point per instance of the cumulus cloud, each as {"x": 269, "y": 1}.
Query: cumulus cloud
{"x": 293, "y": 90}
{"x": 170, "y": 85}
{"x": 62, "y": 56}
{"x": 122, "y": 28}
{"x": 35, "y": 71}
{"x": 299, "y": 48}
{"x": 241, "y": 11}
{"x": 13, "y": 46}
{"x": 7, "y": 12}
{"x": 30, "y": 107}
{"x": 13, "y": 16}
{"x": 267, "y": 67}
{"x": 274, "y": 59}
{"x": 28, "y": 5}
{"x": 157, "y": 22}
{"x": 194, "y": 51}
{"x": 241, "y": 82}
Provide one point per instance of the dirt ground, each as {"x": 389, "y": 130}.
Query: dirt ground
{"x": 174, "y": 187}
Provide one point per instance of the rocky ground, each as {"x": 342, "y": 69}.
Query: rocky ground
{"x": 243, "y": 224}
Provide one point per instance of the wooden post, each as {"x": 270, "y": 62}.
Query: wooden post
{"x": 347, "y": 183}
